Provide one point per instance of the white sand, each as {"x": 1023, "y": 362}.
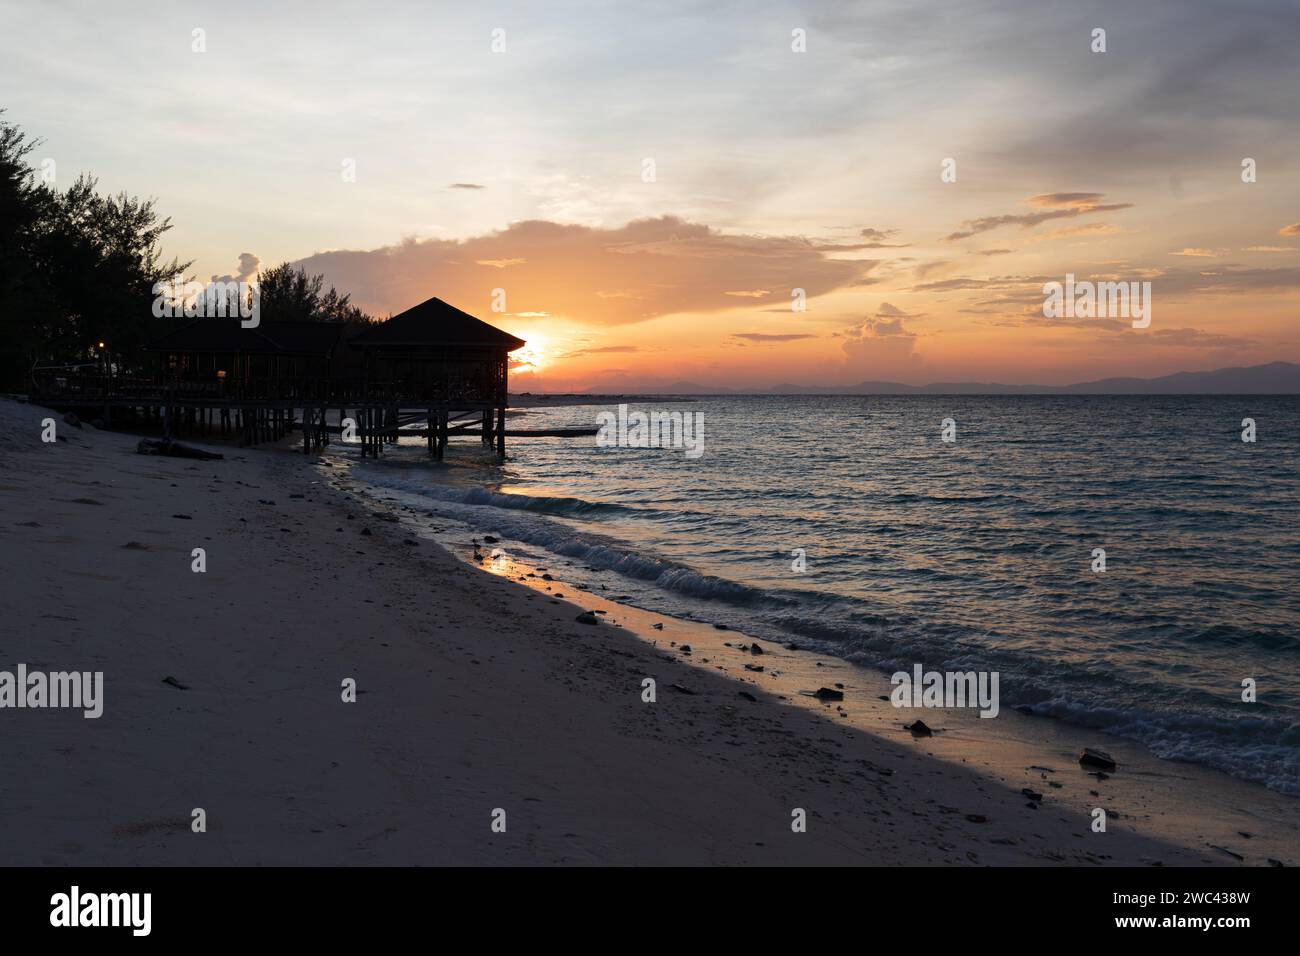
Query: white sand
{"x": 476, "y": 694}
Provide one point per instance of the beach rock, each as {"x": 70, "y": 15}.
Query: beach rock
{"x": 136, "y": 546}
{"x": 756, "y": 668}
{"x": 748, "y": 696}
{"x": 755, "y": 648}
{"x": 977, "y": 818}
{"x": 682, "y": 690}
{"x": 657, "y": 627}
{"x": 825, "y": 693}
{"x": 586, "y": 617}
{"x": 722, "y": 627}
{"x": 173, "y": 682}
{"x": 1031, "y": 794}
{"x": 183, "y": 517}
{"x": 489, "y": 539}
{"x": 685, "y": 648}
{"x": 545, "y": 577}
{"x": 1089, "y": 757}
{"x": 1273, "y": 862}
{"x": 919, "y": 729}
{"x": 366, "y": 532}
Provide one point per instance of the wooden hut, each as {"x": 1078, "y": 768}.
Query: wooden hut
{"x": 258, "y": 375}
{"x": 435, "y": 357}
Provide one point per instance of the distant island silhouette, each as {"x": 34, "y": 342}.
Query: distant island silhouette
{"x": 1274, "y": 378}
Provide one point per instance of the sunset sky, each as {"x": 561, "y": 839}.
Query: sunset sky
{"x": 523, "y": 170}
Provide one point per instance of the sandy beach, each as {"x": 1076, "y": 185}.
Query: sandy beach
{"x": 478, "y": 691}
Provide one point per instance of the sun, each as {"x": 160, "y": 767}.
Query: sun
{"x": 532, "y": 356}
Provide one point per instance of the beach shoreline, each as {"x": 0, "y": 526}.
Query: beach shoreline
{"x": 477, "y": 695}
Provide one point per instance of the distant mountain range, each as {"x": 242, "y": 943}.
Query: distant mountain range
{"x": 1275, "y": 378}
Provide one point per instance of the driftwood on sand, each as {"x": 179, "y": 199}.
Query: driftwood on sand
{"x": 165, "y": 446}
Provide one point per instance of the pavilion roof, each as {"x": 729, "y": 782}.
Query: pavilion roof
{"x": 434, "y": 323}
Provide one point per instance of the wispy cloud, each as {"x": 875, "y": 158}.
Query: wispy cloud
{"x": 1050, "y": 205}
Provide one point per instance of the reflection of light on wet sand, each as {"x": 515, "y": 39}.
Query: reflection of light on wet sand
{"x": 1178, "y": 801}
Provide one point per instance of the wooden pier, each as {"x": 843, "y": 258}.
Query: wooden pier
{"x": 432, "y": 365}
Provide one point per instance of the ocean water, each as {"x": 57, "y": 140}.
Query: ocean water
{"x": 970, "y": 555}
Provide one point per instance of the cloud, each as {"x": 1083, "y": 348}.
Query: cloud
{"x": 877, "y": 239}
{"x": 991, "y": 252}
{"x": 1291, "y": 230}
{"x": 1053, "y": 206}
{"x": 879, "y": 347}
{"x": 499, "y": 263}
{"x": 466, "y": 186}
{"x": 608, "y": 276}
{"x": 249, "y": 265}
{"x": 887, "y": 309}
{"x": 603, "y": 350}
{"x": 1272, "y": 249}
{"x": 772, "y": 336}
{"x": 1196, "y": 253}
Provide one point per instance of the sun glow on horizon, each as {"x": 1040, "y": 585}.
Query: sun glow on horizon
{"x": 533, "y": 356}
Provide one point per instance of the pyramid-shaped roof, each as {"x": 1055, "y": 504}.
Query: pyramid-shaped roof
{"x": 434, "y": 323}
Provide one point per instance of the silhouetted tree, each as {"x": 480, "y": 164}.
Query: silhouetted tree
{"x": 289, "y": 294}
{"x": 76, "y": 268}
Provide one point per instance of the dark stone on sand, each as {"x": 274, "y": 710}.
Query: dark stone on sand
{"x": 681, "y": 690}
{"x": 586, "y": 617}
{"x": 825, "y": 693}
{"x": 183, "y": 517}
{"x": 165, "y": 446}
{"x": 756, "y": 668}
{"x": 173, "y": 682}
{"x": 1025, "y": 709}
{"x": 755, "y": 648}
{"x": 366, "y": 532}
{"x": 489, "y": 539}
{"x": 135, "y": 546}
{"x": 86, "y": 501}
{"x": 685, "y": 648}
{"x": 919, "y": 729}
{"x": 748, "y": 696}
{"x": 1273, "y": 862}
{"x": 657, "y": 627}
{"x": 722, "y": 627}
{"x": 793, "y": 647}
{"x": 410, "y": 541}
{"x": 1090, "y": 757}
{"x": 977, "y": 818}
{"x": 546, "y": 577}
{"x": 1031, "y": 794}
{"x": 72, "y": 419}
